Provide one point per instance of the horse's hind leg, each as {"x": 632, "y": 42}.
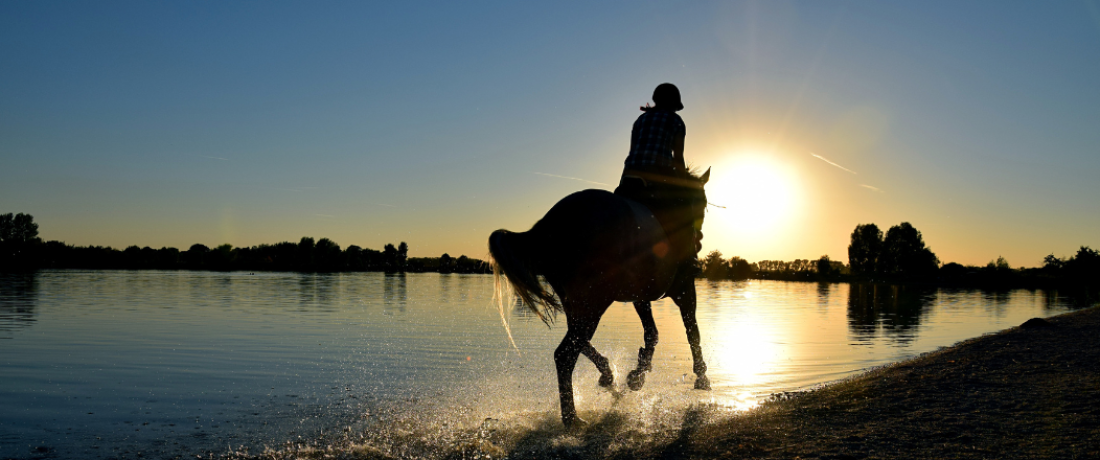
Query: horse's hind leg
{"x": 636, "y": 379}
{"x": 565, "y": 357}
{"x": 685, "y": 299}
{"x": 602, "y": 364}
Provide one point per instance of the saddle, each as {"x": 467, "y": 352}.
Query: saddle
{"x": 667, "y": 198}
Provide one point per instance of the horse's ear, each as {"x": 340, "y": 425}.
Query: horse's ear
{"x": 705, "y": 177}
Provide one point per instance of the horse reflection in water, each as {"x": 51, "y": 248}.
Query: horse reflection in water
{"x": 595, "y": 248}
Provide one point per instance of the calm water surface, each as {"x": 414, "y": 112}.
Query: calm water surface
{"x": 97, "y": 364}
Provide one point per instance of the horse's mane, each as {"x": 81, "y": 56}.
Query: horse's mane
{"x": 692, "y": 172}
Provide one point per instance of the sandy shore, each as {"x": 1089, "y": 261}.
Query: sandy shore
{"x": 1027, "y": 392}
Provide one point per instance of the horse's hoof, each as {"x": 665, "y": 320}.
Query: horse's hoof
{"x": 702, "y": 383}
{"x": 607, "y": 380}
{"x": 635, "y": 379}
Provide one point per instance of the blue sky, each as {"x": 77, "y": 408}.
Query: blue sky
{"x": 173, "y": 123}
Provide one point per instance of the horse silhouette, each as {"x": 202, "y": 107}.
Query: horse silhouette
{"x": 595, "y": 248}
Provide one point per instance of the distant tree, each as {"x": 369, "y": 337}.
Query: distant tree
{"x": 389, "y": 255}
{"x": 802, "y": 265}
{"x": 18, "y": 239}
{"x": 1053, "y": 264}
{"x": 220, "y": 258}
{"x": 168, "y": 258}
{"x": 1084, "y": 268}
{"x": 714, "y": 267}
{"x": 149, "y": 257}
{"x": 17, "y": 229}
{"x": 196, "y": 256}
{"x": 7, "y": 227}
{"x": 134, "y": 259}
{"x": 304, "y": 259}
{"x": 739, "y": 269}
{"x": 904, "y": 253}
{"x": 953, "y": 271}
{"x": 402, "y": 255}
{"x": 281, "y": 256}
{"x": 354, "y": 257}
{"x": 328, "y": 256}
{"x": 864, "y": 249}
{"x": 446, "y": 263}
{"x": 1000, "y": 264}
{"x": 824, "y": 266}
{"x": 373, "y": 259}
{"x": 56, "y": 254}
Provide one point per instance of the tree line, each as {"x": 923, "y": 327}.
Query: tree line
{"x": 22, "y": 249}
{"x": 900, "y": 255}
{"x": 714, "y": 267}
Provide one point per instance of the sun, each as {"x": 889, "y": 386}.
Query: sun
{"x": 759, "y": 194}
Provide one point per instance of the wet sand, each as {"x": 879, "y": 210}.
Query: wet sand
{"x": 1026, "y": 392}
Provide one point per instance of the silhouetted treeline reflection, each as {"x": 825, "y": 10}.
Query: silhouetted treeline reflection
{"x": 18, "y": 297}
{"x": 20, "y": 248}
{"x": 395, "y": 292}
{"x": 893, "y": 311}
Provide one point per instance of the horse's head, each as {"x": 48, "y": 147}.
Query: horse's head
{"x": 698, "y": 203}
{"x": 692, "y": 195}
{"x": 695, "y": 195}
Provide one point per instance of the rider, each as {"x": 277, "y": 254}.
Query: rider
{"x": 655, "y": 166}
{"x": 657, "y": 140}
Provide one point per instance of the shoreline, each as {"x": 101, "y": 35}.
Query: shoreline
{"x": 1031, "y": 391}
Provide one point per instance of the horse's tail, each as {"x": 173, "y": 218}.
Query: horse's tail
{"x": 512, "y": 257}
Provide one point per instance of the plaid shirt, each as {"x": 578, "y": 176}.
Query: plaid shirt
{"x": 652, "y": 138}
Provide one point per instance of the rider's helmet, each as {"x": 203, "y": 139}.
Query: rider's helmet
{"x": 667, "y": 96}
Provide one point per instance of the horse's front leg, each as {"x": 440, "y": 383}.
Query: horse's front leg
{"x": 602, "y": 364}
{"x": 685, "y": 299}
{"x": 636, "y": 378}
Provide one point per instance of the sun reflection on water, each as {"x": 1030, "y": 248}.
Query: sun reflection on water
{"x": 743, "y": 354}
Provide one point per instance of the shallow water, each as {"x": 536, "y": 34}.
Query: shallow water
{"x": 99, "y": 364}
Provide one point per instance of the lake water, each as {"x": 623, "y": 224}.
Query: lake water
{"x": 99, "y": 364}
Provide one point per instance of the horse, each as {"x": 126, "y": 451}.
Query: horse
{"x": 594, "y": 248}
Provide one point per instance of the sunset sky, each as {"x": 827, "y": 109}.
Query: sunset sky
{"x": 174, "y": 123}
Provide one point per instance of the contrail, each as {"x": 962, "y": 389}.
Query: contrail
{"x": 573, "y": 178}
{"x": 819, "y": 157}
{"x": 872, "y": 188}
{"x": 296, "y": 189}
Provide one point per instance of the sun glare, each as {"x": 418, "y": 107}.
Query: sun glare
{"x": 758, "y": 193}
